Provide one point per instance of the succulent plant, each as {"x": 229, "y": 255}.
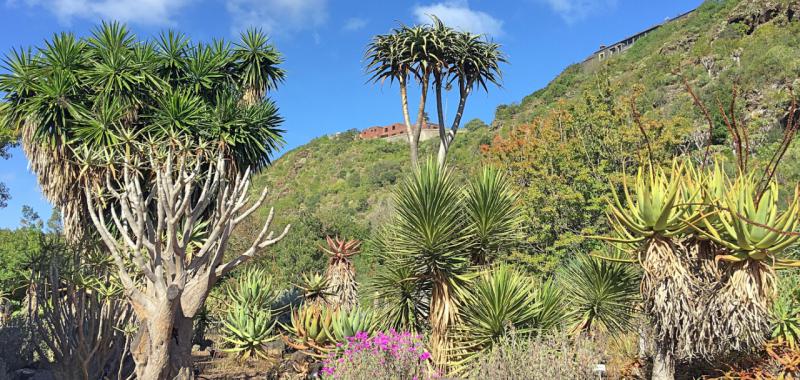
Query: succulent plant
{"x": 253, "y": 289}
{"x": 341, "y": 273}
{"x": 311, "y": 329}
{"x": 315, "y": 288}
{"x": 659, "y": 206}
{"x": 750, "y": 223}
{"x": 247, "y": 330}
{"x": 250, "y": 320}
{"x": 346, "y": 323}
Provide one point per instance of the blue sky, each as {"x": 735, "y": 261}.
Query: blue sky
{"x": 323, "y": 43}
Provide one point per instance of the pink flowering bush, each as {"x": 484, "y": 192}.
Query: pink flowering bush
{"x": 391, "y": 355}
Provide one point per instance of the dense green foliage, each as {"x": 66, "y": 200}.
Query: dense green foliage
{"x": 341, "y": 185}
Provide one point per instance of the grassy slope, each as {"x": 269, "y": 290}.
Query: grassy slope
{"x": 342, "y": 185}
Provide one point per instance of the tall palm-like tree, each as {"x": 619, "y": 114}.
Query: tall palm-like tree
{"x": 257, "y": 67}
{"x": 439, "y": 55}
{"x": 407, "y": 53}
{"x": 78, "y": 103}
{"x": 169, "y": 129}
{"x": 472, "y": 62}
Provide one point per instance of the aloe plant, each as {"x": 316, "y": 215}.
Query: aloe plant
{"x": 341, "y": 273}
{"x": 253, "y": 289}
{"x": 347, "y": 323}
{"x": 315, "y": 288}
{"x": 250, "y": 321}
{"x": 311, "y": 329}
{"x": 247, "y": 330}
{"x": 786, "y": 312}
{"x": 658, "y": 205}
{"x": 752, "y": 226}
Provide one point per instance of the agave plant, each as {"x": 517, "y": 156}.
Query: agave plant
{"x": 311, "y": 329}
{"x": 341, "y": 274}
{"x": 247, "y": 330}
{"x": 347, "y": 323}
{"x": 499, "y": 300}
{"x": 601, "y": 293}
{"x": 315, "y": 289}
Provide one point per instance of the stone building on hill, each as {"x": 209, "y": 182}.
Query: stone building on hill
{"x": 397, "y": 129}
{"x": 606, "y": 52}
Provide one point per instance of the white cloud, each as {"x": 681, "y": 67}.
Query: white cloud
{"x": 278, "y": 16}
{"x": 576, "y": 10}
{"x": 457, "y": 13}
{"x": 354, "y": 23}
{"x": 148, "y": 12}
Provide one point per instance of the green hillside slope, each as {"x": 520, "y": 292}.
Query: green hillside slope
{"x": 753, "y": 43}
{"x": 342, "y": 185}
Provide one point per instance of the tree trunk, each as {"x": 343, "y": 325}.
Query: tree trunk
{"x": 663, "y": 361}
{"x": 413, "y": 145}
{"x": 442, "y": 129}
{"x": 447, "y": 139}
{"x": 162, "y": 349}
{"x": 442, "y": 313}
{"x": 421, "y": 111}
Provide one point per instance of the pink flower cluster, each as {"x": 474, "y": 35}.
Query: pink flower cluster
{"x": 399, "y": 353}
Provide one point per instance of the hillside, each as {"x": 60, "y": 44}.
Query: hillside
{"x": 341, "y": 185}
{"x": 754, "y": 44}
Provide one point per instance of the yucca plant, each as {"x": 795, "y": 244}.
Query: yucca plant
{"x": 501, "y": 299}
{"x": 431, "y": 240}
{"x": 551, "y": 311}
{"x": 315, "y": 289}
{"x": 311, "y": 329}
{"x": 493, "y": 216}
{"x": 347, "y": 323}
{"x": 602, "y": 294}
{"x": 341, "y": 273}
{"x": 247, "y": 330}
{"x": 402, "y": 301}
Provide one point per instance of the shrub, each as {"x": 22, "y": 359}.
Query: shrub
{"x": 386, "y": 356}
{"x": 554, "y": 356}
